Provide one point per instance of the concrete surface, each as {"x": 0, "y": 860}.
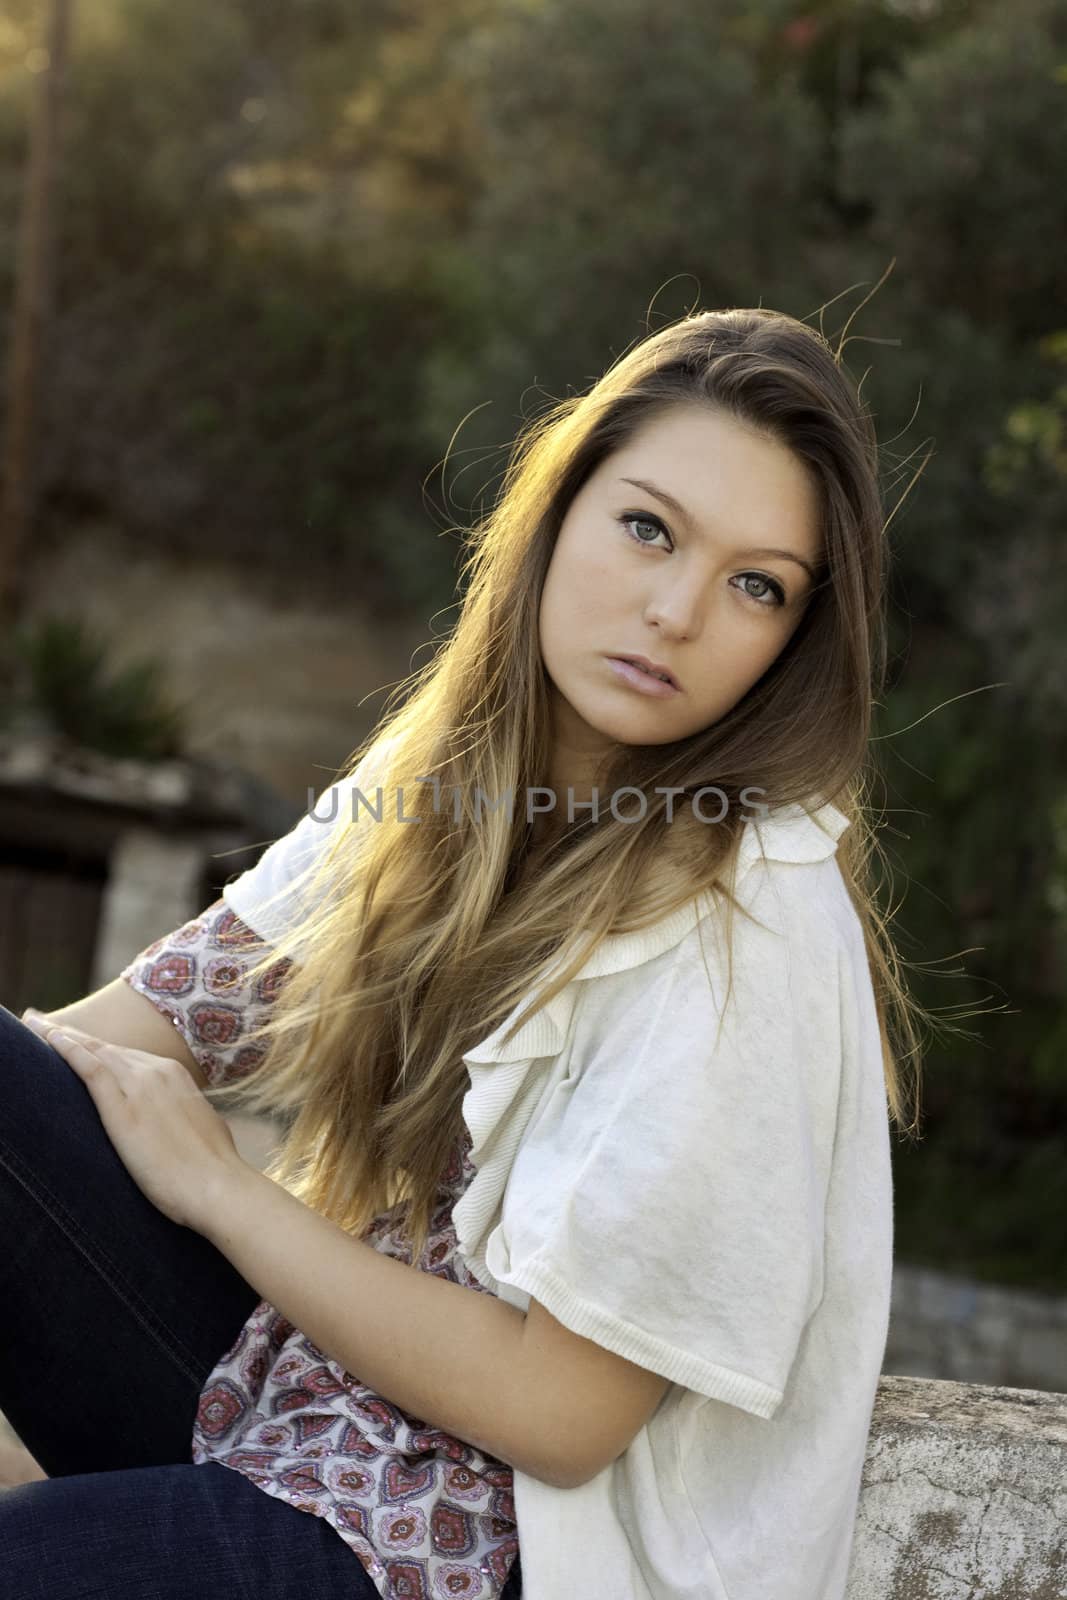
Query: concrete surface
{"x": 964, "y": 1494}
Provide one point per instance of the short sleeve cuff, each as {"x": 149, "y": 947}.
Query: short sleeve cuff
{"x": 633, "y": 1344}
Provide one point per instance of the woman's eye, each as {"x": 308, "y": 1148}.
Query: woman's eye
{"x": 771, "y": 588}
{"x": 648, "y": 522}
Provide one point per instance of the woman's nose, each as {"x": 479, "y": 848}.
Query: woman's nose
{"x": 677, "y": 608}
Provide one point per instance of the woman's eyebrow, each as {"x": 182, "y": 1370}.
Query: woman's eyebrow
{"x": 683, "y": 515}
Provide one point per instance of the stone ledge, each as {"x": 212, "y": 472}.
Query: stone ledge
{"x": 964, "y": 1494}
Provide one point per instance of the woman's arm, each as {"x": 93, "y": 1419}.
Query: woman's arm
{"x": 196, "y": 978}
{"x": 522, "y": 1388}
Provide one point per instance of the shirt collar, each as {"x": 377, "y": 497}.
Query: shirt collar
{"x": 789, "y": 833}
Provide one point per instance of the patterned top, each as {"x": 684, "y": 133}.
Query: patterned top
{"x": 427, "y": 1514}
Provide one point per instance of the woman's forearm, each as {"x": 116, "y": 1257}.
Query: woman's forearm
{"x": 453, "y": 1357}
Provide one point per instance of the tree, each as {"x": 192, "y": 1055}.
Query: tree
{"x": 32, "y": 307}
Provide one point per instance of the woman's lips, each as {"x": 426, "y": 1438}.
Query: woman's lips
{"x": 638, "y": 678}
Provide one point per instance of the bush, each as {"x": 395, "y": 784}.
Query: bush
{"x": 66, "y": 682}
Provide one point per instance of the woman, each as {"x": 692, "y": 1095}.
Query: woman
{"x": 578, "y": 1004}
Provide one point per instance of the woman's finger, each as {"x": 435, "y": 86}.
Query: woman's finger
{"x": 86, "y": 1060}
{"x": 62, "y": 1037}
{"x": 120, "y": 1056}
{"x": 44, "y": 1025}
{"x": 76, "y": 1052}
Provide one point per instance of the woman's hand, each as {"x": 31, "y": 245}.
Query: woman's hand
{"x": 172, "y": 1142}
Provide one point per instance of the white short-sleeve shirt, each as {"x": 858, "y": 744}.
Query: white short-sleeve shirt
{"x": 708, "y": 1195}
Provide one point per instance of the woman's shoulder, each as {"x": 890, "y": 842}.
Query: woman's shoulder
{"x": 787, "y": 885}
{"x": 793, "y": 834}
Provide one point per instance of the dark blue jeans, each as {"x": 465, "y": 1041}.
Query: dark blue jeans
{"x": 124, "y": 1514}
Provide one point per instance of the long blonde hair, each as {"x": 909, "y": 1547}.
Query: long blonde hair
{"x": 427, "y": 936}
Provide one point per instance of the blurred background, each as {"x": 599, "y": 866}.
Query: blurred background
{"x": 284, "y": 277}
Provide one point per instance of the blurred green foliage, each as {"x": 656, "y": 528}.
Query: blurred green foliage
{"x": 314, "y": 256}
{"x": 67, "y": 686}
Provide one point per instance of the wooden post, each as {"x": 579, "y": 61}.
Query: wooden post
{"x": 31, "y": 312}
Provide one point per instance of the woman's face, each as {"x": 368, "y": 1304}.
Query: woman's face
{"x": 710, "y": 589}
